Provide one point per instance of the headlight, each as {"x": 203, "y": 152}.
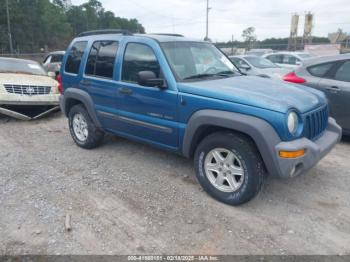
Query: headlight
{"x": 292, "y": 122}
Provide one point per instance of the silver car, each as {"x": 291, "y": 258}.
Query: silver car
{"x": 330, "y": 74}
{"x": 289, "y": 60}
{"x": 52, "y": 62}
{"x": 255, "y": 65}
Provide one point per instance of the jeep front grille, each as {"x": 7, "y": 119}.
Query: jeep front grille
{"x": 28, "y": 89}
{"x": 316, "y": 122}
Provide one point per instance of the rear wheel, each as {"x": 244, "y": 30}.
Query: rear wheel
{"x": 83, "y": 131}
{"x": 229, "y": 167}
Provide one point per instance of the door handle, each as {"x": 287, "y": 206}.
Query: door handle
{"x": 333, "y": 89}
{"x": 125, "y": 91}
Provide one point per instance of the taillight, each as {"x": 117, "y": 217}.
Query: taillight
{"x": 292, "y": 77}
{"x": 59, "y": 80}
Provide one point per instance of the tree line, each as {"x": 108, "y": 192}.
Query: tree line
{"x": 44, "y": 25}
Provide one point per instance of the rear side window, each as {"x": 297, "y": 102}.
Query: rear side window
{"x": 290, "y": 60}
{"x": 343, "y": 73}
{"x": 56, "y": 58}
{"x": 276, "y": 59}
{"x": 137, "y": 58}
{"x": 74, "y": 57}
{"x": 101, "y": 59}
{"x": 320, "y": 70}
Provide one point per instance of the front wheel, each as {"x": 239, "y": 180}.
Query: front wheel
{"x": 229, "y": 167}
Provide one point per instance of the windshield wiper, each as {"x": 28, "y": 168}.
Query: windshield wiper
{"x": 199, "y": 76}
{"x": 225, "y": 73}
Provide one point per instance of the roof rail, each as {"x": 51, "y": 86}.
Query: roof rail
{"x": 166, "y": 34}
{"x": 105, "y": 31}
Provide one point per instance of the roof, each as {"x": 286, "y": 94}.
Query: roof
{"x": 325, "y": 59}
{"x": 157, "y": 37}
{"x": 57, "y": 53}
{"x": 288, "y": 53}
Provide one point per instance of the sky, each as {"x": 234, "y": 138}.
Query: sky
{"x": 271, "y": 18}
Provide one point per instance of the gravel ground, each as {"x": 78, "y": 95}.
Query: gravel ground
{"x": 129, "y": 198}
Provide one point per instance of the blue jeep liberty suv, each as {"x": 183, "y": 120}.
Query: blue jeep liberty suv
{"x": 186, "y": 96}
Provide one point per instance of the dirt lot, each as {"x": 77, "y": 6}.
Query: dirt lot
{"x": 128, "y": 198}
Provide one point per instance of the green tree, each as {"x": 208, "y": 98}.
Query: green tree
{"x": 38, "y": 24}
{"x": 249, "y": 36}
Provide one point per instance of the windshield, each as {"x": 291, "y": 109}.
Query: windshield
{"x": 21, "y": 67}
{"x": 195, "y": 60}
{"x": 260, "y": 62}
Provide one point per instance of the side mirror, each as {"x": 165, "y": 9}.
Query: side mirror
{"x": 298, "y": 63}
{"x": 149, "y": 78}
{"x": 52, "y": 74}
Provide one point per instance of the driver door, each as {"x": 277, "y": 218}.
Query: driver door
{"x": 146, "y": 113}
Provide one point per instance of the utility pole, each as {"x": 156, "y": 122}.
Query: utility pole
{"x": 9, "y": 27}
{"x": 232, "y": 46}
{"x": 207, "y": 24}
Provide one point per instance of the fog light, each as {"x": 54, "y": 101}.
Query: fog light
{"x": 292, "y": 154}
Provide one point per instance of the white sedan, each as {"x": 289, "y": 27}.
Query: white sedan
{"x": 27, "y": 91}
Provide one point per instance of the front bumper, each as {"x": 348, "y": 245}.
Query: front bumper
{"x": 314, "y": 151}
{"x": 26, "y": 100}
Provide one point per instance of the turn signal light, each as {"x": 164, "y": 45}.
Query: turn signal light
{"x": 292, "y": 154}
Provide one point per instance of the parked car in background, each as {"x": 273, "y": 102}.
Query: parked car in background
{"x": 52, "y": 62}
{"x": 26, "y": 90}
{"x": 288, "y": 59}
{"x": 185, "y": 96}
{"x": 330, "y": 74}
{"x": 259, "y": 52}
{"x": 259, "y": 66}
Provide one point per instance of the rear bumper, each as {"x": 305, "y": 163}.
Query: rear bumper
{"x": 314, "y": 151}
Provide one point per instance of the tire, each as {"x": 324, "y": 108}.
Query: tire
{"x": 238, "y": 175}
{"x": 89, "y": 136}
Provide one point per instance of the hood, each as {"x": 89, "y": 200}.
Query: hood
{"x": 258, "y": 92}
{"x": 276, "y": 73}
{"x": 23, "y": 79}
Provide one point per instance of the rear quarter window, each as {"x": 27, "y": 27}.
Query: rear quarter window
{"x": 74, "y": 57}
{"x": 320, "y": 70}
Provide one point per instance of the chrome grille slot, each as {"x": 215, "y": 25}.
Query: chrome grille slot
{"x": 316, "y": 122}
{"x": 29, "y": 90}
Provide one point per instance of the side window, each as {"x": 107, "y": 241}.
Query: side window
{"x": 343, "y": 73}
{"x": 56, "y": 58}
{"x": 290, "y": 60}
{"x": 91, "y": 61}
{"x": 320, "y": 70}
{"x": 275, "y": 58}
{"x": 101, "y": 59}
{"x": 239, "y": 62}
{"x": 138, "y": 57}
{"x": 74, "y": 57}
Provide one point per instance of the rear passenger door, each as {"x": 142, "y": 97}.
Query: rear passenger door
{"x": 98, "y": 79}
{"x": 146, "y": 113}
{"x": 337, "y": 89}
